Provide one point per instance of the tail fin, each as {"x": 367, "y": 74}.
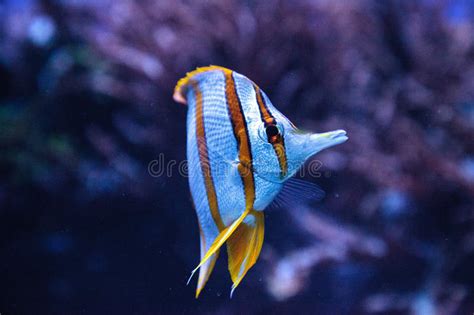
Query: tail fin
{"x": 244, "y": 245}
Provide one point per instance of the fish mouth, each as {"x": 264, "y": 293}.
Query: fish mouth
{"x": 328, "y": 139}
{"x": 338, "y": 136}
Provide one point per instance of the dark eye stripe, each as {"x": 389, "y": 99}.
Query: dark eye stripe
{"x": 276, "y": 139}
{"x": 265, "y": 114}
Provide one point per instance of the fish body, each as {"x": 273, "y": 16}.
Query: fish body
{"x": 240, "y": 151}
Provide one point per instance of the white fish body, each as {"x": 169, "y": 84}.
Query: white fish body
{"x": 240, "y": 151}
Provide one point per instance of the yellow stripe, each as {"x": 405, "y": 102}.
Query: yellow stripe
{"x": 204, "y": 158}
{"x": 241, "y": 134}
{"x": 181, "y": 87}
{"x": 279, "y": 142}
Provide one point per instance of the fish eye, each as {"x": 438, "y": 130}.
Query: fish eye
{"x": 272, "y": 131}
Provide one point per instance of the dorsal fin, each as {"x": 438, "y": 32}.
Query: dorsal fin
{"x": 180, "y": 89}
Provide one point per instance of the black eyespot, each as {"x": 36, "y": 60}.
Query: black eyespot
{"x": 272, "y": 131}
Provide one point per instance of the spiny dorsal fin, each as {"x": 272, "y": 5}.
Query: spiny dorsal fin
{"x": 179, "y": 94}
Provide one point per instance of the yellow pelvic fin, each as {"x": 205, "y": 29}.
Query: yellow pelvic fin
{"x": 214, "y": 249}
{"x": 205, "y": 271}
{"x": 243, "y": 247}
{"x": 179, "y": 94}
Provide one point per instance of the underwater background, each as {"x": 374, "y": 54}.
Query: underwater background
{"x": 88, "y": 226}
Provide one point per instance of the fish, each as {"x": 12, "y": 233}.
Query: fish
{"x": 240, "y": 152}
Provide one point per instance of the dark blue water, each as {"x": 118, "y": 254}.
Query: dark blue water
{"x": 90, "y": 225}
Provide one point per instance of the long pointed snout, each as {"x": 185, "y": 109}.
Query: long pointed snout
{"x": 321, "y": 141}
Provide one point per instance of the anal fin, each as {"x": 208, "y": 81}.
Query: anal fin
{"x": 244, "y": 245}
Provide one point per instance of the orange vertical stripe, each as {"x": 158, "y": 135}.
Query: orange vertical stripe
{"x": 204, "y": 158}
{"x": 241, "y": 134}
{"x": 267, "y": 118}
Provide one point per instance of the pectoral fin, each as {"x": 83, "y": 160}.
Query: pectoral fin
{"x": 244, "y": 245}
